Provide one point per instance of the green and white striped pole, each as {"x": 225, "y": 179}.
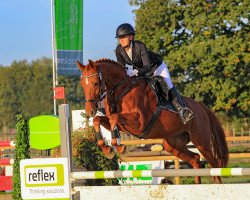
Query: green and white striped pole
{"x": 160, "y": 173}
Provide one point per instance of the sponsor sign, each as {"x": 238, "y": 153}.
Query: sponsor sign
{"x": 45, "y": 178}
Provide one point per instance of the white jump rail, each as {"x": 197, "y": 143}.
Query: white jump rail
{"x": 160, "y": 173}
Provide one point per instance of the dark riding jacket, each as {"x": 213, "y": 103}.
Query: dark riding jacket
{"x": 142, "y": 59}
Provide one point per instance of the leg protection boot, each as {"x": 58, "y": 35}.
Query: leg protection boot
{"x": 120, "y": 148}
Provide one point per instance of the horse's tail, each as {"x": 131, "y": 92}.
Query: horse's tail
{"x": 218, "y": 139}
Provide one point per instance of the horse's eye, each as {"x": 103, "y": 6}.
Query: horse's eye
{"x": 96, "y": 84}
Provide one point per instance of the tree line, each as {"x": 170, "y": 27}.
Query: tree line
{"x": 205, "y": 44}
{"x": 27, "y": 88}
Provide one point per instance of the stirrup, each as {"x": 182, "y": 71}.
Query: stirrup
{"x": 187, "y": 115}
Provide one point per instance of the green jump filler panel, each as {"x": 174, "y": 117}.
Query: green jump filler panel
{"x": 44, "y": 132}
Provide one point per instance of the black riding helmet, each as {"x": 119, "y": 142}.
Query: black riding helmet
{"x": 124, "y": 29}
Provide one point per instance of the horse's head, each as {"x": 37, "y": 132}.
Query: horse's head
{"x": 91, "y": 83}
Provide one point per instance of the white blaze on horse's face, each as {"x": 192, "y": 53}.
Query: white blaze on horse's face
{"x": 90, "y": 82}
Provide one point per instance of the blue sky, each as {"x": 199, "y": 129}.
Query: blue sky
{"x": 25, "y": 28}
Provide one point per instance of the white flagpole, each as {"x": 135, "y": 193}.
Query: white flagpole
{"x": 53, "y": 52}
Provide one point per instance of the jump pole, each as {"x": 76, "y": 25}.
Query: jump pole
{"x": 161, "y": 173}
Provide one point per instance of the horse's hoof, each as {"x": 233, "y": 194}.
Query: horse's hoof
{"x": 121, "y": 149}
{"x": 110, "y": 155}
{"x": 108, "y": 151}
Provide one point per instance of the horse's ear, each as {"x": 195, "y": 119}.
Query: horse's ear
{"x": 92, "y": 63}
{"x": 80, "y": 65}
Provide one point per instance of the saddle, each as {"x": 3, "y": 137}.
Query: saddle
{"x": 164, "y": 101}
{"x": 161, "y": 90}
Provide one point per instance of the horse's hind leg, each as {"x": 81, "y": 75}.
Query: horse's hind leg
{"x": 176, "y": 145}
{"x": 97, "y": 121}
{"x": 208, "y": 155}
{"x": 202, "y": 141}
{"x": 113, "y": 120}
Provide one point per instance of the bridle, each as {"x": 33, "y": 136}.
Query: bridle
{"x": 101, "y": 92}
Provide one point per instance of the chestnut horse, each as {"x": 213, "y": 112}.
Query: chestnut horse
{"x": 136, "y": 103}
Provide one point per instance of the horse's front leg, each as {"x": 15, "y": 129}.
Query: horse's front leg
{"x": 97, "y": 121}
{"x": 113, "y": 120}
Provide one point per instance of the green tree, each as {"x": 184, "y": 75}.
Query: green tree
{"x": 38, "y": 93}
{"x": 206, "y": 46}
{"x": 21, "y": 152}
{"x": 25, "y": 88}
{"x": 10, "y": 91}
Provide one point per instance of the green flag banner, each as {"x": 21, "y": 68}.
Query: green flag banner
{"x": 69, "y": 35}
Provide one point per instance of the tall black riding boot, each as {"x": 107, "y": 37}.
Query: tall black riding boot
{"x": 185, "y": 113}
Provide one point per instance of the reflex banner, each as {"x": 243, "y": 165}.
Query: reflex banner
{"x": 68, "y": 35}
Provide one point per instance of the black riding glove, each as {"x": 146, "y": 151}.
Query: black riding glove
{"x": 143, "y": 71}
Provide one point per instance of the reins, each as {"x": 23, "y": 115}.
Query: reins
{"x": 102, "y": 93}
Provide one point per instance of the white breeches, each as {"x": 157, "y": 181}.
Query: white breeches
{"x": 163, "y": 71}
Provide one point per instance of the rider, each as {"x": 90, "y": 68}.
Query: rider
{"x": 135, "y": 54}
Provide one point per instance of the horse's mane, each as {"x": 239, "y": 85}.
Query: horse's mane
{"x": 108, "y": 61}
{"x": 110, "y": 67}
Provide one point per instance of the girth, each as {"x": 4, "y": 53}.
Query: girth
{"x": 151, "y": 122}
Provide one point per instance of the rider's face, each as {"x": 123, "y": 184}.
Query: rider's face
{"x": 125, "y": 40}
